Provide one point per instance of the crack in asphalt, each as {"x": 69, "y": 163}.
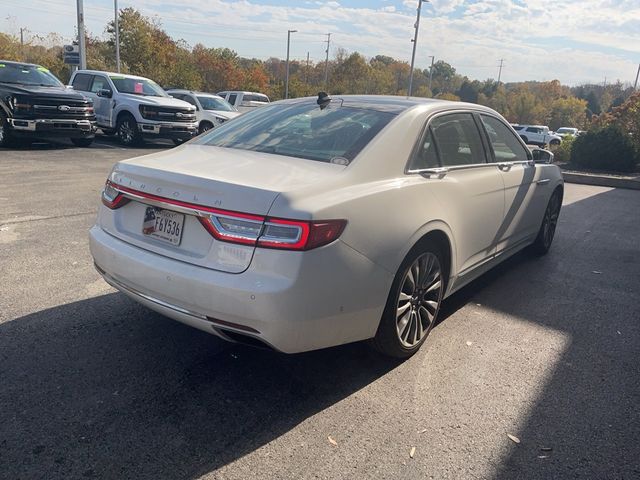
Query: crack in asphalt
{"x": 53, "y": 217}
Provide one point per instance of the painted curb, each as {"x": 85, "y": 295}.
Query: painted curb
{"x": 601, "y": 180}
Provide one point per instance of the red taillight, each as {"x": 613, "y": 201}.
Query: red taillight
{"x": 112, "y": 198}
{"x": 242, "y": 228}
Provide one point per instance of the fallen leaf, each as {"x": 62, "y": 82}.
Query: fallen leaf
{"x": 513, "y": 438}
{"x": 469, "y": 343}
{"x": 332, "y": 441}
{"x": 412, "y": 452}
{"x": 596, "y": 272}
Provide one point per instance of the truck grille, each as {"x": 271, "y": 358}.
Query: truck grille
{"x": 62, "y": 109}
{"x": 166, "y": 114}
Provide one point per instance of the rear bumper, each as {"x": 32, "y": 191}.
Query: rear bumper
{"x": 292, "y": 301}
{"x": 176, "y": 130}
{"x": 46, "y": 127}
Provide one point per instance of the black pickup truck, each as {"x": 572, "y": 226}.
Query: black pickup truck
{"x": 35, "y": 104}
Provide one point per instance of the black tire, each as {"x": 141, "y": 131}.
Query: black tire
{"x": 554, "y": 142}
{"x": 127, "y": 130}
{"x": 543, "y": 241}
{"x": 421, "y": 306}
{"x": 82, "y": 142}
{"x": 204, "y": 126}
{"x": 5, "y": 133}
{"x": 524, "y": 139}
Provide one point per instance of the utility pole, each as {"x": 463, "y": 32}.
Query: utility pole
{"x": 500, "y": 70}
{"x": 415, "y": 43}
{"x": 433, "y": 58}
{"x": 286, "y": 82}
{"x": 326, "y": 64}
{"x": 635, "y": 85}
{"x": 22, "y": 42}
{"x": 115, "y": 7}
{"x": 81, "y": 41}
{"x": 306, "y": 72}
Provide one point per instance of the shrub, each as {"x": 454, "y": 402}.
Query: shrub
{"x": 562, "y": 153}
{"x": 607, "y": 148}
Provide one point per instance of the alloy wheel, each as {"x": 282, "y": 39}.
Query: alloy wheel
{"x": 126, "y": 132}
{"x": 419, "y": 299}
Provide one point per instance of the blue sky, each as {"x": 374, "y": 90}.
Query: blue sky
{"x": 573, "y": 41}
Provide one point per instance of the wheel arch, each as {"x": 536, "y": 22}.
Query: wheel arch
{"x": 440, "y": 233}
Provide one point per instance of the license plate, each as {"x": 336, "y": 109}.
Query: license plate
{"x": 164, "y": 225}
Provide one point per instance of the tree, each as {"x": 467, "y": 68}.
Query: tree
{"x": 568, "y": 112}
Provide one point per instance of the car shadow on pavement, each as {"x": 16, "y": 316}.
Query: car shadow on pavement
{"x": 584, "y": 422}
{"x": 103, "y": 388}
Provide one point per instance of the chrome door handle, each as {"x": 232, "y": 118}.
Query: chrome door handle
{"x": 543, "y": 181}
{"x": 505, "y": 165}
{"x": 440, "y": 171}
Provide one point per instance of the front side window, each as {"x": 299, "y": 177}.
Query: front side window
{"x": 335, "y": 134}
{"x": 533, "y": 130}
{"x": 506, "y": 147}
{"x": 27, "y": 75}
{"x": 232, "y": 98}
{"x": 99, "y": 83}
{"x": 138, "y": 86}
{"x": 458, "y": 140}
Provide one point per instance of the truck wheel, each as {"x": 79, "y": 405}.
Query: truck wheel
{"x": 82, "y": 142}
{"x": 204, "y": 126}
{"x": 554, "y": 142}
{"x": 127, "y": 130}
{"x": 5, "y": 134}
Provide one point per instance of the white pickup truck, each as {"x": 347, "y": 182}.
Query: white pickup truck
{"x": 245, "y": 101}
{"x": 134, "y": 107}
{"x": 537, "y": 135}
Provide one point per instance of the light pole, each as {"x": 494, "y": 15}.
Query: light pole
{"x": 81, "y": 41}
{"x": 431, "y": 73}
{"x": 286, "y": 83}
{"x": 415, "y": 43}
{"x": 115, "y": 7}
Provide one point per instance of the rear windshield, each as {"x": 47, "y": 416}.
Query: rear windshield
{"x": 336, "y": 134}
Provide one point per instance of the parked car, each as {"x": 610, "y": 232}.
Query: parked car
{"x": 537, "y": 135}
{"x": 259, "y": 233}
{"x": 567, "y": 132}
{"x": 34, "y": 104}
{"x": 245, "y": 101}
{"x": 135, "y": 107}
{"x": 211, "y": 110}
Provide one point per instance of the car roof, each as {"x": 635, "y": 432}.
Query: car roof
{"x": 194, "y": 92}
{"x": 115, "y": 74}
{"x": 396, "y": 104}
{"x": 21, "y": 64}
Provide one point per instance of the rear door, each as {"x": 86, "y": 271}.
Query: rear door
{"x": 468, "y": 188}
{"x": 524, "y": 196}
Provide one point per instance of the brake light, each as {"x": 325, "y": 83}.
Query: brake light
{"x": 242, "y": 228}
{"x": 112, "y": 198}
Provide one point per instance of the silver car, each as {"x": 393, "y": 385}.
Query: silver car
{"x": 320, "y": 221}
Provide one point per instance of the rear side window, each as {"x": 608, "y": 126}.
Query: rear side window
{"x": 255, "y": 98}
{"x": 506, "y": 147}
{"x": 426, "y": 156}
{"x": 81, "y": 82}
{"x": 458, "y": 140}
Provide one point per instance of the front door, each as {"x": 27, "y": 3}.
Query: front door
{"x": 102, "y": 105}
{"x": 524, "y": 204}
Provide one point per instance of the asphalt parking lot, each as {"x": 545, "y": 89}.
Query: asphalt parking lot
{"x": 93, "y": 385}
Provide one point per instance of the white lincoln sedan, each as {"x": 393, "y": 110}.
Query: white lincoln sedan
{"x": 321, "y": 221}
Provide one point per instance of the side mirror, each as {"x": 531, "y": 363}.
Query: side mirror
{"x": 105, "y": 93}
{"x": 542, "y": 156}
